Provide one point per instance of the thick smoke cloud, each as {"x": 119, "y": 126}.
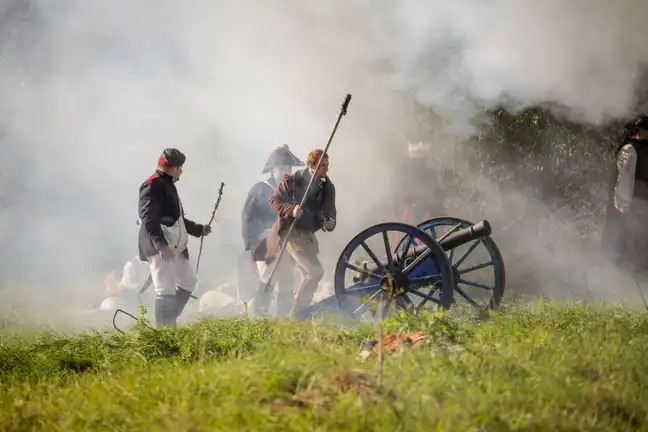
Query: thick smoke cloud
{"x": 92, "y": 91}
{"x": 583, "y": 55}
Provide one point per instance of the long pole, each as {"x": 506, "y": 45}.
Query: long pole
{"x": 266, "y": 284}
{"x": 213, "y": 215}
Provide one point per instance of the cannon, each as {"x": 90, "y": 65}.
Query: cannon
{"x": 421, "y": 266}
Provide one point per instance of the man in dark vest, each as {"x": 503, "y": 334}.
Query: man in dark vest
{"x": 318, "y": 213}
{"x": 625, "y": 237}
{"x": 163, "y": 238}
{"x": 257, "y": 218}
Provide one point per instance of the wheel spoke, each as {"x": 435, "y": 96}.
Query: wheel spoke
{"x": 475, "y": 284}
{"x": 477, "y": 267}
{"x": 451, "y": 256}
{"x": 390, "y": 257}
{"x": 361, "y": 271}
{"x": 355, "y": 289}
{"x": 410, "y": 240}
{"x": 426, "y": 297}
{"x": 433, "y": 232}
{"x": 373, "y": 257}
{"x": 373, "y": 296}
{"x": 472, "y": 248}
{"x": 467, "y": 297}
{"x": 425, "y": 279}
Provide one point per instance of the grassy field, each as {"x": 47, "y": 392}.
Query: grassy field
{"x": 544, "y": 367}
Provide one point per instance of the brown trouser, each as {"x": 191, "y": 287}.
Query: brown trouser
{"x": 303, "y": 248}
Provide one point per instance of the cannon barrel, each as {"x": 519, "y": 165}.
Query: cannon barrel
{"x": 463, "y": 236}
{"x": 457, "y": 238}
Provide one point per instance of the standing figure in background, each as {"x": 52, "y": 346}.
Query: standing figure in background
{"x": 417, "y": 194}
{"x": 625, "y": 238}
{"x": 163, "y": 238}
{"x": 257, "y": 218}
{"x": 317, "y": 213}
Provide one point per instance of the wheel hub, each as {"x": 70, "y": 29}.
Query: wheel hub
{"x": 394, "y": 284}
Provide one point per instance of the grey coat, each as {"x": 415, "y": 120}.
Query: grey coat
{"x": 257, "y": 215}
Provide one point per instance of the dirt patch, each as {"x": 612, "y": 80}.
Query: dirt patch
{"x": 393, "y": 342}
{"x": 344, "y": 381}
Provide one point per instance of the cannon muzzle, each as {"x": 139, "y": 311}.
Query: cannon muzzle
{"x": 457, "y": 238}
{"x": 463, "y": 236}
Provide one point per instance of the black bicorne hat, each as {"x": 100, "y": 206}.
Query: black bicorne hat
{"x": 281, "y": 156}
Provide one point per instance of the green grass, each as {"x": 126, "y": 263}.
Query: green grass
{"x": 547, "y": 368}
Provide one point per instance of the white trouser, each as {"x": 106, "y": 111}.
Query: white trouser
{"x": 166, "y": 276}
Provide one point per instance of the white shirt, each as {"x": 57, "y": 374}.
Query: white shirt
{"x": 626, "y": 166}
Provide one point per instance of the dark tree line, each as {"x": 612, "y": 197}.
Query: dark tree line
{"x": 556, "y": 161}
{"x": 543, "y": 182}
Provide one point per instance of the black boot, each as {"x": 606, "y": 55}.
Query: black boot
{"x": 182, "y": 297}
{"x": 165, "y": 311}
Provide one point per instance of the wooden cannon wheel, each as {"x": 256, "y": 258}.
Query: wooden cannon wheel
{"x": 397, "y": 279}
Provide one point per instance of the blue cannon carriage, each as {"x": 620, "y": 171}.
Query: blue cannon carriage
{"x": 414, "y": 267}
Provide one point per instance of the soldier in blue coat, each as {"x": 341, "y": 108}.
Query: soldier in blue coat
{"x": 257, "y": 218}
{"x": 164, "y": 236}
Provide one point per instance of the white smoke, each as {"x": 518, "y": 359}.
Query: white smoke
{"x": 92, "y": 91}
{"x": 584, "y": 55}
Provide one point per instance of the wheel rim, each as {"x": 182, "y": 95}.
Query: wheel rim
{"x": 394, "y": 280}
{"x": 469, "y": 290}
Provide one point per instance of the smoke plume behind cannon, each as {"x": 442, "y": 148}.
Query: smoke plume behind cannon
{"x": 92, "y": 91}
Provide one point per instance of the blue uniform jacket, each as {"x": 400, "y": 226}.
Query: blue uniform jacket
{"x": 257, "y": 215}
{"x": 159, "y": 205}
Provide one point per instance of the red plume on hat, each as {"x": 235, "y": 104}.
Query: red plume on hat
{"x": 281, "y": 156}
